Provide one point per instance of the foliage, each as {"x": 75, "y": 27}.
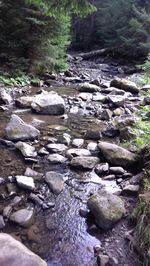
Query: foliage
{"x": 21, "y": 80}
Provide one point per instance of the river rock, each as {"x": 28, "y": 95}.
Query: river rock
{"x": 14, "y": 253}
{"x": 93, "y": 134}
{"x": 26, "y": 149}
{"x": 85, "y": 96}
{"x": 105, "y": 114}
{"x": 17, "y": 129}
{"x": 56, "y": 147}
{"x": 87, "y": 87}
{"x": 34, "y": 174}
{"x": 106, "y": 208}
{"x": 117, "y": 155}
{"x": 56, "y": 158}
{"x": 81, "y": 162}
{"x": 77, "y": 152}
{"x": 23, "y": 217}
{"x": 99, "y": 97}
{"x": 146, "y": 100}
{"x": 130, "y": 190}
{"x": 78, "y": 143}
{"x": 146, "y": 87}
{"x": 102, "y": 168}
{"x": 49, "y": 104}
{"x": 25, "y": 182}
{"x": 24, "y": 101}
{"x": 2, "y": 223}
{"x": 117, "y": 100}
{"x": 117, "y": 170}
{"x": 127, "y": 133}
{"x": 55, "y": 181}
{"x": 92, "y": 146}
{"x": 5, "y": 98}
{"x": 125, "y": 85}
{"x": 118, "y": 111}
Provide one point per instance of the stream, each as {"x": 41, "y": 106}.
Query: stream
{"x": 60, "y": 234}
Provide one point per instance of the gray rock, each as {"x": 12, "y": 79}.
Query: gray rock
{"x": 125, "y": 85}
{"x": 23, "y": 217}
{"x": 99, "y": 97}
{"x": 81, "y": 162}
{"x": 117, "y": 155}
{"x": 25, "y": 182}
{"x": 105, "y": 114}
{"x": 17, "y": 129}
{"x": 14, "y": 253}
{"x": 34, "y": 174}
{"x": 78, "y": 143}
{"x": 2, "y": 223}
{"x": 5, "y": 98}
{"x": 48, "y": 103}
{"x": 146, "y": 87}
{"x": 77, "y": 152}
{"x": 93, "y": 134}
{"x": 130, "y": 190}
{"x": 117, "y": 100}
{"x": 109, "y": 177}
{"x": 56, "y": 147}
{"x": 56, "y": 158}
{"x": 106, "y": 208}
{"x": 55, "y": 181}
{"x": 118, "y": 111}
{"x": 146, "y": 100}
{"x": 85, "y": 96}
{"x": 24, "y": 101}
{"x": 87, "y": 87}
{"x": 26, "y": 149}
{"x": 96, "y": 82}
{"x": 92, "y": 146}
{"x": 127, "y": 133}
{"x": 102, "y": 260}
{"x": 43, "y": 151}
{"x": 102, "y": 168}
{"x": 117, "y": 170}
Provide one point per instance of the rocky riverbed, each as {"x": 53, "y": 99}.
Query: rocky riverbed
{"x": 67, "y": 183}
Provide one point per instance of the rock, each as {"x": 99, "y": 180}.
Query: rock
{"x": 117, "y": 155}
{"x": 36, "y": 83}
{"x": 2, "y": 223}
{"x": 130, "y": 190}
{"x": 118, "y": 111}
{"x": 23, "y": 217}
{"x": 146, "y": 87}
{"x": 49, "y": 104}
{"x": 92, "y": 146}
{"x": 102, "y": 260}
{"x": 24, "y": 101}
{"x": 14, "y": 253}
{"x": 56, "y": 158}
{"x": 25, "y": 182}
{"x": 106, "y": 208}
{"x": 105, "y": 114}
{"x": 125, "y": 85}
{"x": 85, "y": 96}
{"x": 123, "y": 121}
{"x": 43, "y": 151}
{"x": 102, "y": 168}
{"x": 87, "y": 87}
{"x": 117, "y": 100}
{"x": 26, "y": 149}
{"x": 109, "y": 177}
{"x": 96, "y": 82}
{"x": 78, "y": 143}
{"x": 127, "y": 133}
{"x": 17, "y": 129}
{"x": 36, "y": 122}
{"x": 81, "y": 162}
{"x": 93, "y": 134}
{"x": 77, "y": 152}
{"x": 99, "y": 97}
{"x": 117, "y": 170}
{"x": 5, "y": 98}
{"x": 111, "y": 132}
{"x": 34, "y": 174}
{"x": 7, "y": 211}
{"x": 146, "y": 100}
{"x": 56, "y": 147}
{"x": 136, "y": 179}
{"x": 55, "y": 181}
{"x": 115, "y": 91}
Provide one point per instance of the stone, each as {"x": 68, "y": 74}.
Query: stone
{"x": 117, "y": 170}
{"x": 17, "y": 129}
{"x": 43, "y": 151}
{"x": 111, "y": 132}
{"x": 2, "y": 223}
{"x": 102, "y": 260}
{"x": 106, "y": 208}
{"x": 146, "y": 87}
{"x": 55, "y": 181}
{"x": 34, "y": 174}
{"x": 14, "y": 253}
{"x": 146, "y": 100}
{"x": 49, "y": 104}
{"x": 23, "y": 217}
{"x": 109, "y": 177}
{"x": 92, "y": 146}
{"x": 81, "y": 162}
{"x": 117, "y": 155}
{"x": 87, "y": 87}
{"x": 105, "y": 114}
{"x": 130, "y": 190}
{"x": 85, "y": 96}
{"x": 56, "y": 147}
{"x": 96, "y": 82}
{"x": 99, "y": 97}
{"x": 56, "y": 158}
{"x": 118, "y": 111}
{"x": 125, "y": 85}
{"x": 117, "y": 100}
{"x": 127, "y": 133}
{"x": 102, "y": 168}
{"x": 25, "y": 182}
{"x": 77, "y": 152}
{"x": 24, "y": 101}
{"x": 26, "y": 149}
{"x": 78, "y": 143}
{"x": 5, "y": 98}
{"x": 93, "y": 134}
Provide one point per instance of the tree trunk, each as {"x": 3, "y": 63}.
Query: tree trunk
{"x": 96, "y": 53}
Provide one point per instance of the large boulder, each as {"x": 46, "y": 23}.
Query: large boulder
{"x": 14, "y": 253}
{"x": 17, "y": 129}
{"x": 117, "y": 155}
{"x": 49, "y": 104}
{"x": 125, "y": 85}
{"x": 106, "y": 208}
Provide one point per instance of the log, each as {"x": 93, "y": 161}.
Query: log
{"x": 96, "y": 53}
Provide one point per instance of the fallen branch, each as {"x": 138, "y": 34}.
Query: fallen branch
{"x": 96, "y": 53}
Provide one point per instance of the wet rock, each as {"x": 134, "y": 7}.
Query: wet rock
{"x": 14, "y": 253}
{"x": 102, "y": 168}
{"x": 102, "y": 260}
{"x": 77, "y": 152}
{"x": 96, "y": 82}
{"x": 56, "y": 147}
{"x": 12, "y": 189}
{"x": 55, "y": 181}
{"x": 73, "y": 79}
{"x": 25, "y": 182}
{"x": 43, "y": 151}
{"x": 85, "y": 96}
{"x": 99, "y": 97}
{"x": 117, "y": 100}
{"x": 106, "y": 208}
{"x": 81, "y": 162}
{"x": 78, "y": 143}
{"x": 34, "y": 174}
{"x": 5, "y": 98}
{"x": 23, "y": 217}
{"x": 118, "y": 111}
{"x": 7, "y": 143}
{"x": 7, "y": 211}
{"x": 35, "y": 198}
{"x": 136, "y": 179}
{"x": 26, "y": 149}
{"x": 17, "y": 129}
{"x": 36, "y": 122}
{"x": 49, "y": 104}
{"x": 125, "y": 85}
{"x": 92, "y": 146}
{"x": 84, "y": 213}
{"x": 56, "y": 158}
{"x": 115, "y": 91}
{"x": 105, "y": 114}
{"x": 2, "y": 223}
{"x": 109, "y": 177}
{"x": 24, "y": 101}
{"x": 117, "y": 155}
{"x": 146, "y": 100}
{"x": 130, "y": 190}
{"x": 117, "y": 170}
{"x": 87, "y": 87}
{"x": 93, "y": 134}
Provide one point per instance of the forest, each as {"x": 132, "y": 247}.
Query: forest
{"x": 75, "y": 132}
